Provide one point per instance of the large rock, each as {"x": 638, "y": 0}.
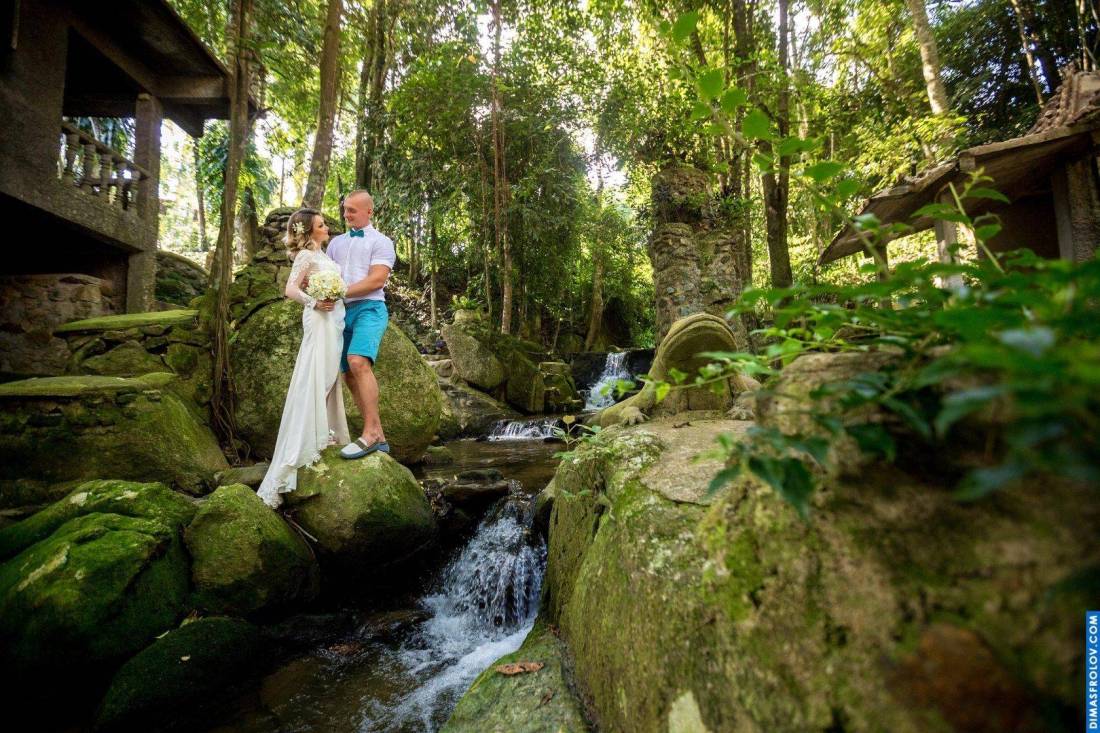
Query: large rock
{"x": 366, "y": 513}
{"x": 560, "y": 393}
{"x": 98, "y": 589}
{"x": 895, "y": 608}
{"x": 127, "y": 359}
{"x": 539, "y": 701}
{"x": 183, "y": 673}
{"x": 179, "y": 280}
{"x": 263, "y": 355}
{"x": 153, "y": 501}
{"x": 245, "y": 558}
{"x": 468, "y": 412}
{"x": 471, "y": 359}
{"x": 681, "y": 348}
{"x": 59, "y": 429}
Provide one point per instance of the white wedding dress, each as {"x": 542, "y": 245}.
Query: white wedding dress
{"x": 313, "y": 416}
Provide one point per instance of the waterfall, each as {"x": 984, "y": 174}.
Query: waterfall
{"x": 613, "y": 370}
{"x": 524, "y": 429}
{"x": 483, "y": 604}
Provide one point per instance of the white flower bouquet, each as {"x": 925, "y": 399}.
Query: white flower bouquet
{"x": 326, "y": 285}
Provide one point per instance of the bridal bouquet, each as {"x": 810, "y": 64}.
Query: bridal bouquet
{"x": 326, "y": 285}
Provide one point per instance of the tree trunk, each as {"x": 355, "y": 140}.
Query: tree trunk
{"x": 221, "y": 274}
{"x": 200, "y": 200}
{"x": 777, "y": 190}
{"x": 326, "y": 115}
{"x": 595, "y": 314}
{"x": 500, "y": 178}
{"x": 432, "y": 254}
{"x": 1029, "y": 56}
{"x": 930, "y": 58}
{"x": 372, "y": 83}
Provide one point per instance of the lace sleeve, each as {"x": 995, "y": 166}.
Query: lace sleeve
{"x": 302, "y": 266}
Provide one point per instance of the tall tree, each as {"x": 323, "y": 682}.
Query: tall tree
{"x": 930, "y": 58}
{"x": 777, "y": 187}
{"x": 372, "y": 84}
{"x": 221, "y": 274}
{"x": 326, "y": 114}
{"x": 500, "y": 176}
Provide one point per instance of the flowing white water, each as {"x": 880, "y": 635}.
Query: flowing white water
{"x": 524, "y": 429}
{"x": 602, "y": 393}
{"x": 483, "y": 606}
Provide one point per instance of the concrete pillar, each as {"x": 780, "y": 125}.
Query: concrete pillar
{"x": 141, "y": 274}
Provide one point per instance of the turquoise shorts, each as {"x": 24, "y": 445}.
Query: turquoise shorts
{"x": 365, "y": 323}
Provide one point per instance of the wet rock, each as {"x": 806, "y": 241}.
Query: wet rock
{"x": 184, "y": 673}
{"x": 57, "y": 429}
{"x": 538, "y": 701}
{"x": 365, "y": 514}
{"x": 410, "y": 401}
{"x": 248, "y": 475}
{"x": 465, "y": 493}
{"x": 245, "y": 558}
{"x": 442, "y": 367}
{"x": 438, "y": 455}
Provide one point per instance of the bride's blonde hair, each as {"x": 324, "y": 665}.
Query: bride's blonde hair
{"x": 298, "y": 230}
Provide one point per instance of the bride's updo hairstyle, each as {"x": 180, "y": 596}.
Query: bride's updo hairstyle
{"x": 298, "y": 229}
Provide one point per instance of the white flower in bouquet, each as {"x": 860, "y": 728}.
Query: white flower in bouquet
{"x": 326, "y": 285}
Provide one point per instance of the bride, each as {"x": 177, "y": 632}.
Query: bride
{"x": 313, "y": 416}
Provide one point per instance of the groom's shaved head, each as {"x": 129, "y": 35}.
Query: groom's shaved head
{"x": 358, "y": 207}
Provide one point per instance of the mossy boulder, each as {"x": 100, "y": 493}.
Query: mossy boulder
{"x": 128, "y": 359}
{"x": 471, "y": 359}
{"x": 526, "y": 389}
{"x": 179, "y": 280}
{"x": 895, "y": 608}
{"x": 183, "y": 673}
{"x": 152, "y": 501}
{"x": 59, "y": 429}
{"x": 560, "y": 392}
{"x": 263, "y": 354}
{"x": 120, "y": 323}
{"x": 366, "y": 514}
{"x": 468, "y": 412}
{"x": 245, "y": 558}
{"x": 99, "y": 588}
{"x": 530, "y": 702}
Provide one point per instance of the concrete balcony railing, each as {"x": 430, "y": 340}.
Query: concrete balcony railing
{"x": 99, "y": 170}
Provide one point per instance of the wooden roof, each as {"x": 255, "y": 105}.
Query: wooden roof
{"x": 156, "y": 52}
{"x": 1019, "y": 167}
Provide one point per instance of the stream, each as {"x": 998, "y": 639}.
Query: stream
{"x": 402, "y": 669}
{"x": 478, "y": 607}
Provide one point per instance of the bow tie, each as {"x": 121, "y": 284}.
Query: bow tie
{"x": 355, "y": 232}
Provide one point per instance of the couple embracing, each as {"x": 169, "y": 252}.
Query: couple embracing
{"x": 343, "y": 321}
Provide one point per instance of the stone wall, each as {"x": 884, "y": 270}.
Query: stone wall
{"x": 179, "y": 280}
{"x": 32, "y": 305}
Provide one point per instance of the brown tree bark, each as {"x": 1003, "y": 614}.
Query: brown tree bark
{"x": 500, "y": 178}
{"x": 1029, "y": 56}
{"x": 777, "y": 188}
{"x": 200, "y": 201}
{"x": 326, "y": 114}
{"x": 930, "y": 58}
{"x": 372, "y": 85}
{"x": 595, "y": 313}
{"x": 221, "y": 273}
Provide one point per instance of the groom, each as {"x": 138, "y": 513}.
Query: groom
{"x": 365, "y": 257}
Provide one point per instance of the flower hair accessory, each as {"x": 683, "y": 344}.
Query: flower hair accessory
{"x": 298, "y": 228}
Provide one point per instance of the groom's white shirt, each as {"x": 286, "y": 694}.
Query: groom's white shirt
{"x": 355, "y": 255}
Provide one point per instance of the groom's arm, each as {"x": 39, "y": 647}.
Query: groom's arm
{"x": 376, "y": 278}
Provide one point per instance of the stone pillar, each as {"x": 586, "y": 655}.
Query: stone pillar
{"x": 141, "y": 274}
{"x": 1077, "y": 208}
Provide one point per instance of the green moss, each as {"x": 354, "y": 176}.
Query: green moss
{"x": 245, "y": 558}
{"x": 185, "y": 317}
{"x": 98, "y": 589}
{"x": 532, "y": 702}
{"x": 76, "y": 386}
{"x": 141, "y": 500}
{"x": 369, "y": 512}
{"x": 182, "y": 673}
{"x": 264, "y": 350}
{"x": 124, "y": 431}
{"x": 125, "y": 360}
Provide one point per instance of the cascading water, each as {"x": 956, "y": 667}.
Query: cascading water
{"x": 602, "y": 393}
{"x": 524, "y": 429}
{"x": 483, "y": 606}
